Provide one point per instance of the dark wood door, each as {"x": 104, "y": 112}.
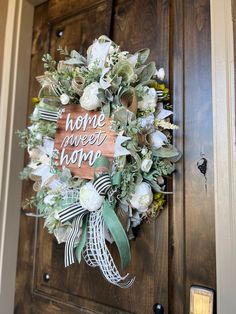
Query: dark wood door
{"x": 178, "y": 249}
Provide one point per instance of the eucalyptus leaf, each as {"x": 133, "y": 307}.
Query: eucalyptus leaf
{"x": 143, "y": 54}
{"x": 106, "y": 109}
{"x": 121, "y": 115}
{"x": 156, "y": 187}
{"x": 168, "y": 151}
{"x": 146, "y": 74}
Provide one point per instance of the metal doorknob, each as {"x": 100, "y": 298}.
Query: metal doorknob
{"x": 158, "y": 308}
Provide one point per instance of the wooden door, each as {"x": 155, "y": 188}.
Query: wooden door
{"x": 178, "y": 249}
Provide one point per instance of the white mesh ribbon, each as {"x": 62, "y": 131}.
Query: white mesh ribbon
{"x": 96, "y": 253}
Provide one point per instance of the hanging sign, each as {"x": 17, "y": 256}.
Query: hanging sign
{"x": 82, "y": 136}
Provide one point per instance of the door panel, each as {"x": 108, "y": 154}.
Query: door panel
{"x": 177, "y": 250}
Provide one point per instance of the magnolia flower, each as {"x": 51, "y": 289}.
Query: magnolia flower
{"x": 160, "y": 74}
{"x": 149, "y": 100}
{"x": 64, "y": 98}
{"x": 146, "y": 165}
{"x": 163, "y": 113}
{"x": 89, "y": 100}
{"x": 146, "y": 122}
{"x": 157, "y": 139}
{"x": 98, "y": 52}
{"x": 89, "y": 197}
{"x": 142, "y": 197}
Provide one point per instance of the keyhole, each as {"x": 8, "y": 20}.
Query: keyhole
{"x": 158, "y": 308}
{"x": 46, "y": 277}
{"x": 59, "y": 33}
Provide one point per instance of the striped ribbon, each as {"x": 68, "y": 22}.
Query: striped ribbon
{"x": 160, "y": 95}
{"x": 76, "y": 212}
{"x": 70, "y": 212}
{"x": 48, "y": 115}
{"x": 104, "y": 187}
{"x": 69, "y": 246}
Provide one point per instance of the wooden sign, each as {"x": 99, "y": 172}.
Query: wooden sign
{"x": 82, "y": 136}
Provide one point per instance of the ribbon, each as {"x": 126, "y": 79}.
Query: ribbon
{"x": 69, "y": 246}
{"x": 76, "y": 212}
{"x": 103, "y": 185}
{"x": 117, "y": 231}
{"x": 48, "y": 115}
{"x": 78, "y": 85}
{"x": 129, "y": 100}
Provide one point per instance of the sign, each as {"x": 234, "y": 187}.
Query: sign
{"x": 83, "y": 136}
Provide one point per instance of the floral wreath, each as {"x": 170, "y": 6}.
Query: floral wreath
{"x": 86, "y": 213}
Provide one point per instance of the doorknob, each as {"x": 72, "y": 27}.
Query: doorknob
{"x": 158, "y": 308}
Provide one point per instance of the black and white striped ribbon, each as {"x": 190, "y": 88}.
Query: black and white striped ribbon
{"x": 160, "y": 95}
{"x": 70, "y": 212}
{"x": 69, "y": 246}
{"x": 104, "y": 187}
{"x": 103, "y": 184}
{"x": 48, "y": 115}
{"x": 76, "y": 212}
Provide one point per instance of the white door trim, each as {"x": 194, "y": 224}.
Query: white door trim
{"x": 14, "y": 92}
{"x": 13, "y": 108}
{"x": 223, "y": 92}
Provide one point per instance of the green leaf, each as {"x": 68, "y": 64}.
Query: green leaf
{"x": 168, "y": 151}
{"x": 106, "y": 109}
{"x": 121, "y": 115}
{"x": 143, "y": 54}
{"x": 146, "y": 74}
{"x": 79, "y": 248}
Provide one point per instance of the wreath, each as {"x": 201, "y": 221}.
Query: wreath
{"x": 100, "y": 151}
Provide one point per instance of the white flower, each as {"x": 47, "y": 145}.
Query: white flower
{"x": 98, "y": 52}
{"x": 160, "y": 74}
{"x": 146, "y": 122}
{"x": 146, "y": 165}
{"x": 89, "y": 100}
{"x": 142, "y": 197}
{"x": 64, "y": 98}
{"x": 89, "y": 197}
{"x": 149, "y": 100}
{"x": 39, "y": 136}
{"x": 144, "y": 150}
{"x": 49, "y": 199}
{"x": 163, "y": 113}
{"x": 157, "y": 139}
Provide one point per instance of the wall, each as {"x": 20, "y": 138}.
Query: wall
{"x": 3, "y": 18}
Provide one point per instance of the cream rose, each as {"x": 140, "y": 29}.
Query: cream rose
{"x": 146, "y": 165}
{"x": 89, "y": 197}
{"x": 89, "y": 100}
{"x": 149, "y": 100}
{"x": 142, "y": 197}
{"x": 160, "y": 74}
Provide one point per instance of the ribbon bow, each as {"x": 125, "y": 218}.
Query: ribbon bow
{"x": 94, "y": 240}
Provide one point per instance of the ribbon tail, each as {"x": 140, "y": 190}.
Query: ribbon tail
{"x": 69, "y": 246}
{"x": 96, "y": 253}
{"x": 118, "y": 233}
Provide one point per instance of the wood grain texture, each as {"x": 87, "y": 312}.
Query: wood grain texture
{"x": 103, "y": 137}
{"x": 178, "y": 249}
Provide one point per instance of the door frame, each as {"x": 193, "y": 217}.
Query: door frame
{"x": 14, "y": 97}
